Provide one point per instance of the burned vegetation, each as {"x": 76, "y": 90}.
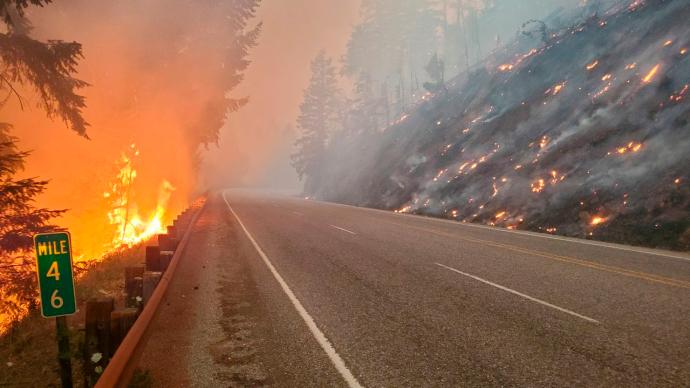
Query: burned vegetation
{"x": 581, "y": 132}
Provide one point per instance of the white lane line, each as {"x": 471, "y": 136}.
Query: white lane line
{"x": 343, "y": 229}
{"x": 586, "y": 318}
{"x": 318, "y": 334}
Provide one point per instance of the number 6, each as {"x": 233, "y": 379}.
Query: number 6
{"x": 56, "y": 300}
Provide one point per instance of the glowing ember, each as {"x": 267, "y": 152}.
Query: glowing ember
{"x": 598, "y": 220}
{"x": 683, "y": 51}
{"x": 556, "y": 88}
{"x": 440, "y": 174}
{"x": 606, "y": 77}
{"x": 678, "y": 96}
{"x": 635, "y": 5}
{"x": 538, "y": 186}
{"x": 505, "y": 67}
{"x": 677, "y": 181}
{"x": 404, "y": 209}
{"x": 668, "y": 43}
{"x": 544, "y": 141}
{"x": 631, "y": 66}
{"x": 592, "y": 65}
{"x": 631, "y": 147}
{"x": 652, "y": 73}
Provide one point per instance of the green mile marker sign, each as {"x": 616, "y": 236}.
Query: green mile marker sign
{"x": 55, "y": 279}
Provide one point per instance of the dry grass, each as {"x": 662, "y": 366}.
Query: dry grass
{"x": 28, "y": 353}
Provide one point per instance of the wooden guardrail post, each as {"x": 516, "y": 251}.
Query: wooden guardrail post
{"x": 172, "y": 232}
{"x": 167, "y": 242}
{"x": 153, "y": 258}
{"x": 97, "y": 338}
{"x": 134, "y": 281}
{"x": 121, "y": 321}
{"x": 151, "y": 280}
{"x": 165, "y": 258}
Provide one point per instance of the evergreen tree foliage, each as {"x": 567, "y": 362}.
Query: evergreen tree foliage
{"x": 392, "y": 45}
{"x": 20, "y": 220}
{"x": 48, "y": 68}
{"x": 319, "y": 119}
{"x": 241, "y": 38}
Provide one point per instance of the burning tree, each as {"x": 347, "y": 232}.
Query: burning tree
{"x": 47, "y": 68}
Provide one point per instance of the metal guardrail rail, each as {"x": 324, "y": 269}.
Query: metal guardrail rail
{"x": 121, "y": 367}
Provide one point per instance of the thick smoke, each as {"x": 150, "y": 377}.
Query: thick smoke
{"x": 582, "y": 132}
{"x": 158, "y": 71}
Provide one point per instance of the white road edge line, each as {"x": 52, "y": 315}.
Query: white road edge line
{"x": 315, "y": 331}
{"x": 343, "y": 229}
{"x": 523, "y": 233}
{"x": 547, "y": 304}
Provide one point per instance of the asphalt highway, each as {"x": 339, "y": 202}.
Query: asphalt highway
{"x": 283, "y": 291}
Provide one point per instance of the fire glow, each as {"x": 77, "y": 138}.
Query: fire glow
{"x": 631, "y": 147}
{"x": 131, "y": 227}
{"x": 652, "y": 73}
{"x": 598, "y": 220}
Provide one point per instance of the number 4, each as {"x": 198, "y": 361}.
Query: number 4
{"x": 53, "y": 271}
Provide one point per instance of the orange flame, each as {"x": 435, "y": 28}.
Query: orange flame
{"x": 598, "y": 220}
{"x": 652, "y": 73}
{"x": 130, "y": 226}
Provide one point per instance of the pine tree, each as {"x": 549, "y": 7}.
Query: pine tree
{"x": 241, "y": 39}
{"x": 435, "y": 69}
{"x": 365, "y": 110}
{"x": 47, "y": 68}
{"x": 392, "y": 45}
{"x": 19, "y": 221}
{"x": 319, "y": 118}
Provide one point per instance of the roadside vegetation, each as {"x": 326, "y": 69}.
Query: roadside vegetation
{"x": 28, "y": 351}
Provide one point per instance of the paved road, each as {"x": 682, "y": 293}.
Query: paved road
{"x": 291, "y": 292}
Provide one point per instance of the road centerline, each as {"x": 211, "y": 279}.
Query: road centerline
{"x": 320, "y": 337}
{"x": 521, "y": 233}
{"x": 343, "y": 229}
{"x": 520, "y": 294}
{"x": 571, "y": 260}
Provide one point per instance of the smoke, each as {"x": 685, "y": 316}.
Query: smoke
{"x": 584, "y": 134}
{"x": 157, "y": 71}
{"x": 257, "y": 141}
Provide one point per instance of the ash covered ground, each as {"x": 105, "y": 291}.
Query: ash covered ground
{"x": 579, "y": 129}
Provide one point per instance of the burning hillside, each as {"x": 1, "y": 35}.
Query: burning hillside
{"x": 583, "y": 132}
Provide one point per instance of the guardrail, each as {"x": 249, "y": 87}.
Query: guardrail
{"x": 115, "y": 337}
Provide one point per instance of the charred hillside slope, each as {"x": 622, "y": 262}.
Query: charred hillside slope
{"x": 583, "y": 132}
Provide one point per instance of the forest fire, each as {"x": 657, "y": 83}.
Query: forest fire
{"x": 130, "y": 226}
{"x": 585, "y": 134}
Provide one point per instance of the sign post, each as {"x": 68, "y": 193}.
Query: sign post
{"x": 56, "y": 287}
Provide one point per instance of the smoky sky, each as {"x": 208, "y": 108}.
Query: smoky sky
{"x": 257, "y": 141}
